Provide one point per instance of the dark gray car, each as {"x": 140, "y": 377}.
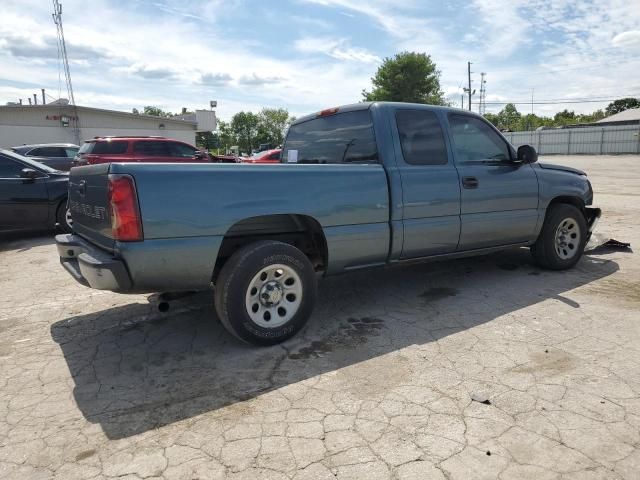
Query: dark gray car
{"x": 56, "y": 155}
{"x": 33, "y": 196}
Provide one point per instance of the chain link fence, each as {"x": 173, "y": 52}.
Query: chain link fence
{"x": 585, "y": 140}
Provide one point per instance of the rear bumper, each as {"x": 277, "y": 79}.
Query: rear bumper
{"x": 91, "y": 266}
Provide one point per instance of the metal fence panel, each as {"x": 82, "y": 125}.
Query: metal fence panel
{"x": 587, "y": 140}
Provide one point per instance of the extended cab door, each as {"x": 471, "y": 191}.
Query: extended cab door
{"x": 499, "y": 196}
{"x": 430, "y": 185}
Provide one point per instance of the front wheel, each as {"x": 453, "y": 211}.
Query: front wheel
{"x": 562, "y": 239}
{"x": 266, "y": 292}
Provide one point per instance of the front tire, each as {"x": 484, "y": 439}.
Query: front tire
{"x": 266, "y": 292}
{"x": 562, "y": 239}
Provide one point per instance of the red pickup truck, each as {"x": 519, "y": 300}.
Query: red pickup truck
{"x": 137, "y": 149}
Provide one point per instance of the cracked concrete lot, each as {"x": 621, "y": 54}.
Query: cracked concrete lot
{"x": 379, "y": 385}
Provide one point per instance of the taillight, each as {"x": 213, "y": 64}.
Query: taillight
{"x": 126, "y": 225}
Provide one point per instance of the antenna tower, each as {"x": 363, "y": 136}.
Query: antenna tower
{"x": 62, "y": 52}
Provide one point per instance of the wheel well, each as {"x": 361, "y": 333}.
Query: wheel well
{"x": 301, "y": 231}
{"x": 575, "y": 201}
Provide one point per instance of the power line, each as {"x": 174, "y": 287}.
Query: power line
{"x": 557, "y": 101}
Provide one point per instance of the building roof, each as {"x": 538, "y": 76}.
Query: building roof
{"x": 80, "y": 109}
{"x": 625, "y": 116}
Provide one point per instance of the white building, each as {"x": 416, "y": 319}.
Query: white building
{"x": 55, "y": 123}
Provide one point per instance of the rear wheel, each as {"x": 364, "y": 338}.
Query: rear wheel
{"x": 63, "y": 218}
{"x": 562, "y": 239}
{"x": 266, "y": 292}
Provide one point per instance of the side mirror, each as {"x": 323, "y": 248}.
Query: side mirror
{"x": 527, "y": 154}
{"x": 30, "y": 173}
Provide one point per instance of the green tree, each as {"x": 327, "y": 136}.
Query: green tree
{"x": 225, "y": 136}
{"x": 207, "y": 140}
{"x": 244, "y": 126}
{"x": 621, "y": 105}
{"x": 156, "y": 112}
{"x": 493, "y": 118}
{"x": 407, "y": 77}
{"x": 565, "y": 117}
{"x": 272, "y": 125}
{"x": 509, "y": 117}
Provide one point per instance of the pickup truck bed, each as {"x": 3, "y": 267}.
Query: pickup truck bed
{"x": 359, "y": 186}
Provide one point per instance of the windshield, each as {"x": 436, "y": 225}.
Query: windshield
{"x": 86, "y": 147}
{"x": 31, "y": 163}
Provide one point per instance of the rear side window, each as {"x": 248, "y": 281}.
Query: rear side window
{"x": 104, "y": 148}
{"x": 342, "y": 138}
{"x": 48, "y": 152}
{"x": 421, "y": 137}
{"x": 475, "y": 140}
{"x": 152, "y": 148}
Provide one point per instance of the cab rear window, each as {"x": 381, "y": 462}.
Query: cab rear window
{"x": 342, "y": 138}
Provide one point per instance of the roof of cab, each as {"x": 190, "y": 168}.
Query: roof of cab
{"x": 367, "y": 105}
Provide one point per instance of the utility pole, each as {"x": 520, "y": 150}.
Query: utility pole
{"x": 469, "y": 85}
{"x": 468, "y": 90}
{"x": 462, "y": 101}
{"x": 532, "y": 101}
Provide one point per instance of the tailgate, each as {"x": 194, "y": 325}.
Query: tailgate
{"x": 89, "y": 204}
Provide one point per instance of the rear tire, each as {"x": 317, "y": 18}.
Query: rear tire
{"x": 562, "y": 239}
{"x": 266, "y": 292}
{"x": 63, "y": 218}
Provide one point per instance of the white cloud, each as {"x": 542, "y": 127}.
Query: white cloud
{"x": 335, "y": 48}
{"x": 256, "y": 80}
{"x": 627, "y": 39}
{"x": 215, "y": 79}
{"x": 184, "y": 54}
{"x": 151, "y": 72}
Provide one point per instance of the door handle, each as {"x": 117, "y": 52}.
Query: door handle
{"x": 470, "y": 182}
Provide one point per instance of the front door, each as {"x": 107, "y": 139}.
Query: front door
{"x": 499, "y": 202}
{"x": 430, "y": 186}
{"x": 23, "y": 201}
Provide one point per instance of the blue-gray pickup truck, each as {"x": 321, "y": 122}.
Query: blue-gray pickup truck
{"x": 358, "y": 186}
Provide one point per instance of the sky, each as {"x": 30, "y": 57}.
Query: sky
{"x": 306, "y": 55}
